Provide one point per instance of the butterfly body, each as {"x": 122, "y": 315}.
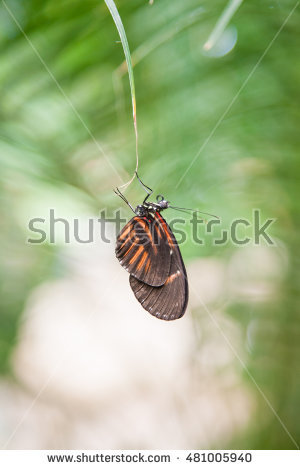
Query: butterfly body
{"x": 148, "y": 250}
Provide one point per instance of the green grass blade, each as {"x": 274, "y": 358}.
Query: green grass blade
{"x": 118, "y": 22}
{"x": 222, "y": 23}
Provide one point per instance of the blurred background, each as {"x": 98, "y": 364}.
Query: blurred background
{"x": 82, "y": 364}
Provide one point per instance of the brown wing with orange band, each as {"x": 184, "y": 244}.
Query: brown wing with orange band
{"x": 169, "y": 301}
{"x": 143, "y": 250}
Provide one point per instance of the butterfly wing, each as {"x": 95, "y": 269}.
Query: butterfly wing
{"x": 142, "y": 250}
{"x": 168, "y": 301}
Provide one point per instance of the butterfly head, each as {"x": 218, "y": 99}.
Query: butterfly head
{"x": 143, "y": 209}
{"x": 162, "y": 202}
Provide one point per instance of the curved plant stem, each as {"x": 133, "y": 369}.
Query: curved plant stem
{"x": 222, "y": 23}
{"x": 118, "y": 22}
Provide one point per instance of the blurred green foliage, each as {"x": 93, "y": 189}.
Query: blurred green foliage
{"x": 250, "y": 161}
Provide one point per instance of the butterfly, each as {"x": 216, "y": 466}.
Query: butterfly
{"x": 148, "y": 250}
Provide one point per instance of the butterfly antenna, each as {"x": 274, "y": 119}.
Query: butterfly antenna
{"x": 179, "y": 210}
{"x": 183, "y": 209}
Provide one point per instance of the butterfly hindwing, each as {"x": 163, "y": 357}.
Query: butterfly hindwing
{"x": 143, "y": 251}
{"x": 168, "y": 301}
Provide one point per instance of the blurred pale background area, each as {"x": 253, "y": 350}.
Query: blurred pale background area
{"x": 82, "y": 364}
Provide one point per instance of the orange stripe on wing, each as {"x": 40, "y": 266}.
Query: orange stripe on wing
{"x": 148, "y": 233}
{"x": 129, "y": 249}
{"x": 164, "y": 227}
{"x": 136, "y": 255}
{"x": 147, "y": 266}
{"x": 120, "y": 247}
{"x": 172, "y": 277}
{"x": 142, "y": 261}
{"x": 125, "y": 232}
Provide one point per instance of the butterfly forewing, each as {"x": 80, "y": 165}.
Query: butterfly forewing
{"x": 143, "y": 251}
{"x": 168, "y": 301}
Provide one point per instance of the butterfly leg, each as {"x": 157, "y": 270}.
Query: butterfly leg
{"x": 148, "y": 190}
{"x": 118, "y": 193}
